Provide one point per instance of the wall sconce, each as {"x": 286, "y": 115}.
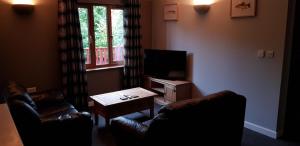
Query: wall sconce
{"x": 202, "y": 6}
{"x": 23, "y": 6}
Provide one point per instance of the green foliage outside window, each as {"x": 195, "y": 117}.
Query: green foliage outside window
{"x": 117, "y": 28}
{"x": 100, "y": 27}
{"x": 83, "y": 17}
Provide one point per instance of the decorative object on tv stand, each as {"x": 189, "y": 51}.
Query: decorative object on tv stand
{"x": 171, "y": 11}
{"x": 23, "y": 6}
{"x": 202, "y": 6}
{"x": 243, "y": 8}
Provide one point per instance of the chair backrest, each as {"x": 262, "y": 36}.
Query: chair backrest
{"x": 23, "y": 110}
{"x": 217, "y": 119}
{"x": 14, "y": 91}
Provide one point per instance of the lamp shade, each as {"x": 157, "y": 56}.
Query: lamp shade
{"x": 23, "y": 8}
{"x": 202, "y": 8}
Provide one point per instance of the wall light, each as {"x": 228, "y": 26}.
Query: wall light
{"x": 202, "y": 6}
{"x": 23, "y": 6}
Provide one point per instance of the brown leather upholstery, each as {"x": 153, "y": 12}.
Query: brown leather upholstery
{"x": 45, "y": 119}
{"x": 215, "y": 120}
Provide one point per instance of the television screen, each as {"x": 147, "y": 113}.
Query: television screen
{"x": 165, "y": 64}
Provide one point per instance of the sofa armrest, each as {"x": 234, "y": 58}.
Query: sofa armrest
{"x": 47, "y": 98}
{"x": 128, "y": 132}
{"x": 69, "y": 129}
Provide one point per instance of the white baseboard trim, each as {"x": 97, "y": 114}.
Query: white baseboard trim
{"x": 262, "y": 130}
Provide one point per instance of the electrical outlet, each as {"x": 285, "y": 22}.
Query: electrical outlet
{"x": 261, "y": 53}
{"x": 270, "y": 53}
{"x": 31, "y": 89}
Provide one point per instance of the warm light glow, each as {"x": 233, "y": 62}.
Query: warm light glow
{"x": 203, "y": 2}
{"x": 29, "y": 2}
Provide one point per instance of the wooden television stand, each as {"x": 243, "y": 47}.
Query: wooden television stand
{"x": 169, "y": 90}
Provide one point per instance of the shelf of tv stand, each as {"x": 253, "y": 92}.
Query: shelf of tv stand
{"x": 160, "y": 90}
{"x": 161, "y": 101}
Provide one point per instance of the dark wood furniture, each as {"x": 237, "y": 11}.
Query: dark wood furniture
{"x": 110, "y": 105}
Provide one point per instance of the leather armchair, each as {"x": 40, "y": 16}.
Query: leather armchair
{"x": 214, "y": 120}
{"x": 46, "y": 119}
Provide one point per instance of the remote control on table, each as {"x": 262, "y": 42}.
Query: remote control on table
{"x": 128, "y": 97}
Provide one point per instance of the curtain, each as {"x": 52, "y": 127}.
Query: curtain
{"x": 133, "y": 69}
{"x": 74, "y": 78}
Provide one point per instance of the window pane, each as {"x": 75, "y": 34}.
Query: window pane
{"x": 118, "y": 34}
{"x": 84, "y": 27}
{"x": 101, "y": 39}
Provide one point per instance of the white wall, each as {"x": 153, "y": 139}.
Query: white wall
{"x": 224, "y": 51}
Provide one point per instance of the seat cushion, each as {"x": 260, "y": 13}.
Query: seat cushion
{"x": 54, "y": 111}
{"x": 148, "y": 122}
{"x": 192, "y": 104}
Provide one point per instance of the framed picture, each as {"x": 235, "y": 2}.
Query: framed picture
{"x": 243, "y": 8}
{"x": 170, "y": 12}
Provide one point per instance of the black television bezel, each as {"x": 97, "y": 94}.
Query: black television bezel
{"x": 183, "y": 77}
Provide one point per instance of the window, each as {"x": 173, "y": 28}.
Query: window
{"x": 102, "y": 33}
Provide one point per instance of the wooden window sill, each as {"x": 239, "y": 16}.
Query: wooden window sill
{"x": 105, "y": 68}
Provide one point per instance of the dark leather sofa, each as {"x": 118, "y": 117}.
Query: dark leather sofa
{"x": 216, "y": 120}
{"x": 46, "y": 119}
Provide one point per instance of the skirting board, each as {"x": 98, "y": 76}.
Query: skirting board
{"x": 262, "y": 130}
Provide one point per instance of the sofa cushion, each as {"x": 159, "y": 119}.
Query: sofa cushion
{"x": 47, "y": 98}
{"x": 55, "y": 111}
{"x": 190, "y": 104}
{"x": 148, "y": 122}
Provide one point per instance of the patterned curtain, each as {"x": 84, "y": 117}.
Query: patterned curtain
{"x": 71, "y": 54}
{"x": 133, "y": 70}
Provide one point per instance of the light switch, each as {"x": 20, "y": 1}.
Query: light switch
{"x": 261, "y": 53}
{"x": 270, "y": 53}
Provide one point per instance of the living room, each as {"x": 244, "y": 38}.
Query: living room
{"x": 246, "y": 55}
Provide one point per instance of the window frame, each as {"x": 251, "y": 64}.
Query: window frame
{"x": 91, "y": 34}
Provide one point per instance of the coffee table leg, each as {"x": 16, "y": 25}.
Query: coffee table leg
{"x": 107, "y": 122}
{"x": 151, "y": 112}
{"x": 96, "y": 119}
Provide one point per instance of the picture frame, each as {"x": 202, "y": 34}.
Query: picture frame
{"x": 243, "y": 8}
{"x": 171, "y": 12}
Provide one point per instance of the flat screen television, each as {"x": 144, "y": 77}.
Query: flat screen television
{"x": 165, "y": 64}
